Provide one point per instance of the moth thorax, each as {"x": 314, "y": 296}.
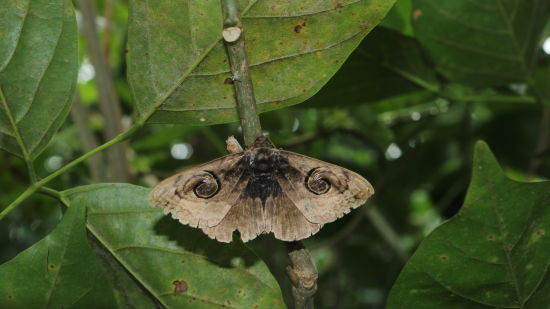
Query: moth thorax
{"x": 263, "y": 160}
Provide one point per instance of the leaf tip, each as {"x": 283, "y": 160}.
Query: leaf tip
{"x": 484, "y": 164}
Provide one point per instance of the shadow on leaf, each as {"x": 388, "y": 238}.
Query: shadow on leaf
{"x": 234, "y": 254}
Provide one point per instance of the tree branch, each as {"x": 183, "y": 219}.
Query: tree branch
{"x": 303, "y": 275}
{"x": 108, "y": 98}
{"x": 302, "y": 271}
{"x": 80, "y": 117}
{"x": 234, "y": 42}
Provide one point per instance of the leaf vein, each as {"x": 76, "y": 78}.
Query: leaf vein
{"x": 301, "y": 15}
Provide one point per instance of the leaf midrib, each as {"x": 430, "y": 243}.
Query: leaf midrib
{"x": 143, "y": 282}
{"x": 58, "y": 269}
{"x": 136, "y": 275}
{"x": 15, "y": 128}
{"x": 508, "y": 253}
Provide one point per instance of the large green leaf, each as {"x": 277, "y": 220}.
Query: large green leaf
{"x": 494, "y": 253}
{"x": 481, "y": 43}
{"x": 386, "y": 64}
{"x": 177, "y": 63}
{"x": 157, "y": 251}
{"x": 38, "y": 66}
{"x": 59, "y": 271}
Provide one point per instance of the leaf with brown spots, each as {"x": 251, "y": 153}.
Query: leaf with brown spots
{"x": 166, "y": 263}
{"x": 495, "y": 253}
{"x": 178, "y": 68}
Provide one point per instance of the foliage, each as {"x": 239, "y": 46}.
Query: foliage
{"x": 498, "y": 236}
{"x": 402, "y": 103}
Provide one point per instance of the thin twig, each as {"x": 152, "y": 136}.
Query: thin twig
{"x": 386, "y": 231}
{"x": 302, "y": 271}
{"x": 37, "y": 185}
{"x": 80, "y": 117}
{"x": 108, "y": 98}
{"x": 50, "y": 192}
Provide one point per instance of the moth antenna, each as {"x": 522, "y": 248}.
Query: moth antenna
{"x": 233, "y": 145}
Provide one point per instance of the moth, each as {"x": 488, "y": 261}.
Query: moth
{"x": 261, "y": 190}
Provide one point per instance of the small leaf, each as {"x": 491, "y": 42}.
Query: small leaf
{"x": 493, "y": 254}
{"x": 177, "y": 265}
{"x": 177, "y": 64}
{"x": 59, "y": 271}
{"x": 38, "y": 66}
{"x": 481, "y": 43}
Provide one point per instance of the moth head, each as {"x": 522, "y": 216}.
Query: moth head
{"x": 320, "y": 180}
{"x": 204, "y": 185}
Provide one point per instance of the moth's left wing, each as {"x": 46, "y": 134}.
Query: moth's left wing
{"x": 201, "y": 196}
{"x": 321, "y": 191}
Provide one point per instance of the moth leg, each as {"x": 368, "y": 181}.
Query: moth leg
{"x": 233, "y": 145}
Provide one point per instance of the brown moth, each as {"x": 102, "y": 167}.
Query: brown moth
{"x": 260, "y": 190}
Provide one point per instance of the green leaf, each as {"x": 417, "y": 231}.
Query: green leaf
{"x": 177, "y": 63}
{"x": 492, "y": 254}
{"x": 399, "y": 17}
{"x": 157, "y": 250}
{"x": 386, "y": 64}
{"x": 481, "y": 43}
{"x": 59, "y": 271}
{"x": 38, "y": 67}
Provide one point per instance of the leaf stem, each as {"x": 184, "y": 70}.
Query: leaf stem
{"x": 31, "y": 171}
{"x": 19, "y": 138}
{"x": 50, "y": 192}
{"x": 37, "y": 185}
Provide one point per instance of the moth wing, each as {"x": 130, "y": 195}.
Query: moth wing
{"x": 202, "y": 212}
{"x": 327, "y": 207}
{"x": 279, "y": 215}
{"x": 286, "y": 221}
{"x": 246, "y": 216}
